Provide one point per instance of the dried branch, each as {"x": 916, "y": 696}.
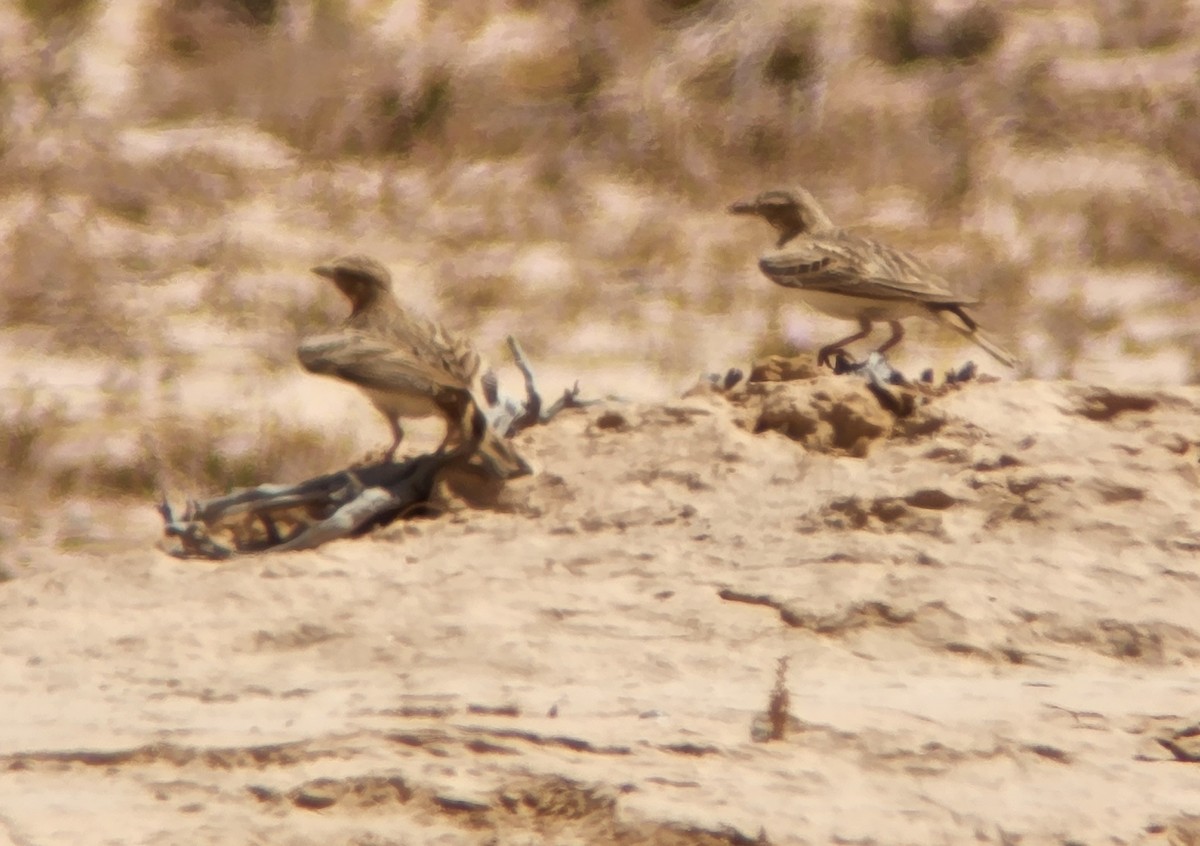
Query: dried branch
{"x": 303, "y": 516}
{"x": 350, "y": 502}
{"x": 532, "y": 414}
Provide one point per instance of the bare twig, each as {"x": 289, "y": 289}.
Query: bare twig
{"x": 1177, "y": 751}
{"x": 533, "y": 415}
{"x": 533, "y": 401}
{"x": 778, "y": 714}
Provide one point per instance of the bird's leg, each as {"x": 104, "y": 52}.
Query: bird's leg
{"x": 397, "y": 437}
{"x": 465, "y": 426}
{"x": 824, "y": 354}
{"x": 897, "y": 336}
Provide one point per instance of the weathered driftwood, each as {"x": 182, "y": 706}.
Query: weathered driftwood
{"x": 350, "y": 502}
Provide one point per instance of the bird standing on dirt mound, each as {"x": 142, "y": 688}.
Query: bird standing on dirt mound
{"x": 855, "y": 278}
{"x": 407, "y": 366}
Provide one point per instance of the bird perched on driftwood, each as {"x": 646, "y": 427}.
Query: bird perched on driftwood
{"x": 407, "y": 366}
{"x": 853, "y": 277}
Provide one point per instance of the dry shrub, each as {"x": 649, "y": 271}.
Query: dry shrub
{"x": 217, "y": 454}
{"x": 716, "y": 100}
{"x": 1142, "y": 97}
{"x": 900, "y": 32}
{"x": 325, "y": 86}
{"x": 774, "y": 722}
{"x": 57, "y": 165}
{"x": 54, "y": 280}
{"x": 1181, "y": 136}
{"x": 30, "y": 424}
{"x": 209, "y": 455}
{"x": 778, "y": 707}
{"x": 58, "y": 15}
{"x": 1144, "y": 24}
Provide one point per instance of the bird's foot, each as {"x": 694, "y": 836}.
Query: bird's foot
{"x": 843, "y": 363}
{"x": 878, "y": 369}
{"x": 837, "y": 360}
{"x": 875, "y": 368}
{"x": 720, "y": 382}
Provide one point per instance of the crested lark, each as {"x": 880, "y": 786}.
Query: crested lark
{"x": 407, "y": 366}
{"x": 855, "y": 278}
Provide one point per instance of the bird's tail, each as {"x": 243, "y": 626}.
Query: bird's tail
{"x": 970, "y": 330}
{"x": 988, "y": 345}
{"x": 501, "y": 456}
{"x": 498, "y": 455}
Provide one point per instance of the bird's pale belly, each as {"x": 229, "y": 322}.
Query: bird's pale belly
{"x": 400, "y": 404}
{"x": 855, "y": 308}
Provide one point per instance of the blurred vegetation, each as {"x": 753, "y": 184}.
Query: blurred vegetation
{"x": 46, "y": 14}
{"x": 561, "y": 167}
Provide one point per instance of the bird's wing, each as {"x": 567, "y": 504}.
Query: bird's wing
{"x": 375, "y": 363}
{"x": 840, "y": 263}
{"x": 424, "y": 339}
{"x": 432, "y": 342}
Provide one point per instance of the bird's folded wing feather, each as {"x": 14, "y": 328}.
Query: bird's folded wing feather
{"x": 424, "y": 340}
{"x": 856, "y": 267}
{"x": 373, "y": 363}
{"x": 456, "y": 354}
{"x": 431, "y": 342}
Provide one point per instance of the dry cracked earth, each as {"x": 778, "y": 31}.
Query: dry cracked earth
{"x": 987, "y": 607}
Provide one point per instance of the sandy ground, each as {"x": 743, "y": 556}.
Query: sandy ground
{"x": 988, "y": 611}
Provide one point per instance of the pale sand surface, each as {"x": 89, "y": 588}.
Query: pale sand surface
{"x": 989, "y": 620}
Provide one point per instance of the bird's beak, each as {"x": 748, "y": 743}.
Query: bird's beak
{"x": 744, "y": 207}
{"x": 324, "y": 270}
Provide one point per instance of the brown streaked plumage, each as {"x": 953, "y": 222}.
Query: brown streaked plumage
{"x": 407, "y": 366}
{"x": 856, "y": 278}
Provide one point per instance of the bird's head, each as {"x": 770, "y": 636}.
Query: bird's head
{"x": 363, "y": 280}
{"x": 791, "y": 212}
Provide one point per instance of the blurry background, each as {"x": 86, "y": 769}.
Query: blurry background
{"x": 558, "y": 170}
